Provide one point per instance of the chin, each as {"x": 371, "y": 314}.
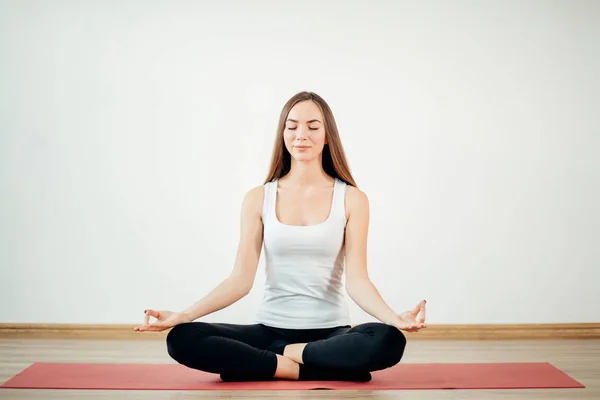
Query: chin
{"x": 304, "y": 159}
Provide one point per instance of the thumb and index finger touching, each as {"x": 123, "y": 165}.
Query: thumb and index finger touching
{"x": 419, "y": 311}
{"x": 151, "y": 313}
{"x": 418, "y": 307}
{"x": 147, "y": 325}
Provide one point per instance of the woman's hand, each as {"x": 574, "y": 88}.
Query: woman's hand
{"x": 164, "y": 320}
{"x": 413, "y": 320}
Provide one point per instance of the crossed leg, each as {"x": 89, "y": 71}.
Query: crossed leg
{"x": 243, "y": 352}
{"x": 367, "y": 347}
{"x": 226, "y": 349}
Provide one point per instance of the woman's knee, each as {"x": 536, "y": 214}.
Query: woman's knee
{"x": 395, "y": 343}
{"x": 389, "y": 347}
{"x": 181, "y": 336}
{"x": 386, "y": 347}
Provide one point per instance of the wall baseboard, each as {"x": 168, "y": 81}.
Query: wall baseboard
{"x": 435, "y": 332}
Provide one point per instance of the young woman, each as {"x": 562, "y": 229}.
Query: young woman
{"x": 309, "y": 215}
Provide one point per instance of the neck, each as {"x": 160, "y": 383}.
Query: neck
{"x": 309, "y": 173}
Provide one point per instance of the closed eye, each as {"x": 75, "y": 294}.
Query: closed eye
{"x": 312, "y": 129}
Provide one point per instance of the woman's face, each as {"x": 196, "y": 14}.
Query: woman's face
{"x": 304, "y": 132}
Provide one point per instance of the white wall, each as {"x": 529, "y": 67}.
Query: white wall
{"x": 130, "y": 131}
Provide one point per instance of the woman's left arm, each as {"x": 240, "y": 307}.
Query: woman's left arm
{"x": 358, "y": 284}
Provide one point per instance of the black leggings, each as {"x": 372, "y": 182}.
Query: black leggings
{"x": 250, "y": 350}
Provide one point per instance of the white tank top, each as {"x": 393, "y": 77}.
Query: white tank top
{"x": 304, "y": 268}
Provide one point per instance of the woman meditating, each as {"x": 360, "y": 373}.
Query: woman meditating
{"x": 312, "y": 221}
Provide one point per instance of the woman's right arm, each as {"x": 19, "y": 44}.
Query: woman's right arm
{"x": 239, "y": 283}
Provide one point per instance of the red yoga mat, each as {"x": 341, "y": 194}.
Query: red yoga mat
{"x": 401, "y": 376}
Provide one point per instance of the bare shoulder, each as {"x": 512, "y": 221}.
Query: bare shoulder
{"x": 253, "y": 200}
{"x": 254, "y": 194}
{"x": 356, "y": 201}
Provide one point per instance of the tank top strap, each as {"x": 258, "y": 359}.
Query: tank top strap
{"x": 339, "y": 208}
{"x": 269, "y": 199}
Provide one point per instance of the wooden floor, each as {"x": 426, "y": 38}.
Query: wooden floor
{"x": 578, "y": 358}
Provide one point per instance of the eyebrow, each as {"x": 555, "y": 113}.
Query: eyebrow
{"x": 312, "y": 120}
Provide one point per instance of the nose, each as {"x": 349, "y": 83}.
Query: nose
{"x": 302, "y": 133}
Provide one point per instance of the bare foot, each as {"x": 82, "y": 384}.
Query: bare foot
{"x": 294, "y": 351}
{"x": 287, "y": 368}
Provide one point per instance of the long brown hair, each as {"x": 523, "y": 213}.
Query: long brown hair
{"x": 334, "y": 159}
